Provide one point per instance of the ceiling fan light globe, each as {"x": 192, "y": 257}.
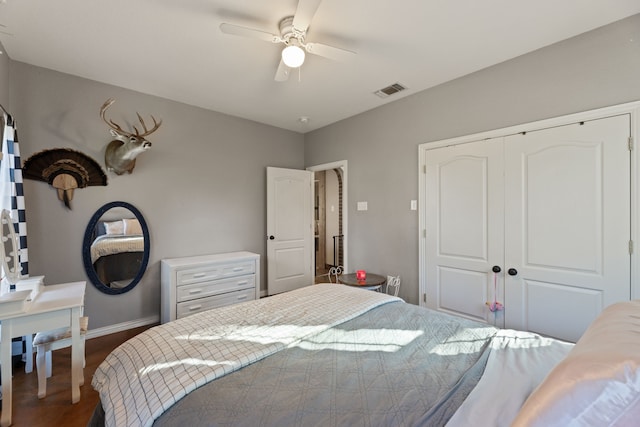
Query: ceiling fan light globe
{"x": 293, "y": 56}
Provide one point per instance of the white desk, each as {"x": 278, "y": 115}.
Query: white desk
{"x": 56, "y": 306}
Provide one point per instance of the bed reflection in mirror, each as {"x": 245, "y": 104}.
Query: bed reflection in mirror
{"x": 116, "y": 248}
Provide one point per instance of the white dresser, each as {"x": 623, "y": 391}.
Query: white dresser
{"x": 193, "y": 284}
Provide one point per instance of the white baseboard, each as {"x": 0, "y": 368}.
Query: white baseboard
{"x": 120, "y": 327}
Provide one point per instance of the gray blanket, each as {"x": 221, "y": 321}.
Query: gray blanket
{"x": 396, "y": 365}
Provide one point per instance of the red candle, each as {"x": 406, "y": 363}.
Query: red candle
{"x": 361, "y": 275}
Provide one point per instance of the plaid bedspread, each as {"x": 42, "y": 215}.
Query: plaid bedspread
{"x": 146, "y": 375}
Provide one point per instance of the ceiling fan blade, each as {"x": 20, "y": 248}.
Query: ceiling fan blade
{"x": 329, "y": 51}
{"x": 304, "y": 14}
{"x": 282, "y": 73}
{"x": 237, "y": 30}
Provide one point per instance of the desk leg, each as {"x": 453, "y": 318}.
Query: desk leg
{"x": 5, "y": 359}
{"x": 76, "y": 358}
{"x": 28, "y": 367}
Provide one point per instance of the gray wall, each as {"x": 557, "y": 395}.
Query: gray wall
{"x": 4, "y": 79}
{"x": 593, "y": 70}
{"x": 201, "y": 187}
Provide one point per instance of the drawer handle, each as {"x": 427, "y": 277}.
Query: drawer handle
{"x": 238, "y": 268}
{"x": 199, "y": 275}
{"x": 242, "y": 297}
{"x": 195, "y": 307}
{"x": 244, "y": 282}
{"x": 195, "y": 291}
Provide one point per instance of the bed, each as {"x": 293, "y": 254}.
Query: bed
{"x": 332, "y": 355}
{"x": 117, "y": 250}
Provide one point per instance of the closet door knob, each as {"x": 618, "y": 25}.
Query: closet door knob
{"x": 496, "y": 269}
{"x": 512, "y": 272}
{"x": 271, "y": 237}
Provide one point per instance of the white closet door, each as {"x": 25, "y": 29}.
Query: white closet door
{"x": 464, "y": 226}
{"x": 567, "y": 222}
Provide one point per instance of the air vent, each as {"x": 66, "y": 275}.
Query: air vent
{"x": 389, "y": 90}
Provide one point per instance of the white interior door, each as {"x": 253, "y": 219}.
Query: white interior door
{"x": 567, "y": 192}
{"x": 289, "y": 229}
{"x": 464, "y": 229}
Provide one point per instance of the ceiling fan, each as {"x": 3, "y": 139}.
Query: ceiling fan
{"x": 293, "y": 32}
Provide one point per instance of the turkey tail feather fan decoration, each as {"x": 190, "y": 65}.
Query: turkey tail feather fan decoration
{"x": 64, "y": 169}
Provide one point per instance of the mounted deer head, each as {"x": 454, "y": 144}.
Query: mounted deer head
{"x": 120, "y": 155}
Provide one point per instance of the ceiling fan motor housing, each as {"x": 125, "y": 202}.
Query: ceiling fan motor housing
{"x": 289, "y": 34}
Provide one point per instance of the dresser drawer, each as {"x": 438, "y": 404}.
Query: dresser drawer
{"x": 196, "y": 283}
{"x": 205, "y": 289}
{"x": 207, "y": 273}
{"x": 184, "y": 309}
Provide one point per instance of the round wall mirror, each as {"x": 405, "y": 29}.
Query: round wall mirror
{"x": 116, "y": 246}
{"x": 10, "y": 255}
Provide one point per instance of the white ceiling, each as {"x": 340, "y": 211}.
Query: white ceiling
{"x": 175, "y": 49}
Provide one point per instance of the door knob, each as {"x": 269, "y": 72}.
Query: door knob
{"x": 512, "y": 272}
{"x": 496, "y": 269}
{"x": 271, "y": 237}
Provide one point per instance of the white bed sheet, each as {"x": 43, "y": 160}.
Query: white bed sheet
{"x": 518, "y": 362}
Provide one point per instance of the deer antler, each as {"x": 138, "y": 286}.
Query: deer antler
{"x": 155, "y": 127}
{"x": 113, "y": 125}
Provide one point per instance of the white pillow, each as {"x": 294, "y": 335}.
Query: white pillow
{"x": 598, "y": 383}
{"x": 132, "y": 226}
{"x": 114, "y": 227}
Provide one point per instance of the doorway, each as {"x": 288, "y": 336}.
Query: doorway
{"x": 330, "y": 217}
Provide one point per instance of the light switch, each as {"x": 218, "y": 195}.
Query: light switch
{"x": 414, "y": 205}
{"x": 362, "y": 206}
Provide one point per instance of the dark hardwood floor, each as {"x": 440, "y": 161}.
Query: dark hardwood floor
{"x": 56, "y": 408}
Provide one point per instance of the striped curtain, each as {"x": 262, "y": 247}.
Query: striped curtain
{"x": 11, "y": 189}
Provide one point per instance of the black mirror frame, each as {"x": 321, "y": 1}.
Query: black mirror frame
{"x": 88, "y": 239}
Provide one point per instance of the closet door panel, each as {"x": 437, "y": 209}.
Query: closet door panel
{"x": 464, "y": 226}
{"x": 463, "y": 212}
{"x": 553, "y": 297}
{"x": 563, "y": 207}
{"x": 567, "y": 222}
